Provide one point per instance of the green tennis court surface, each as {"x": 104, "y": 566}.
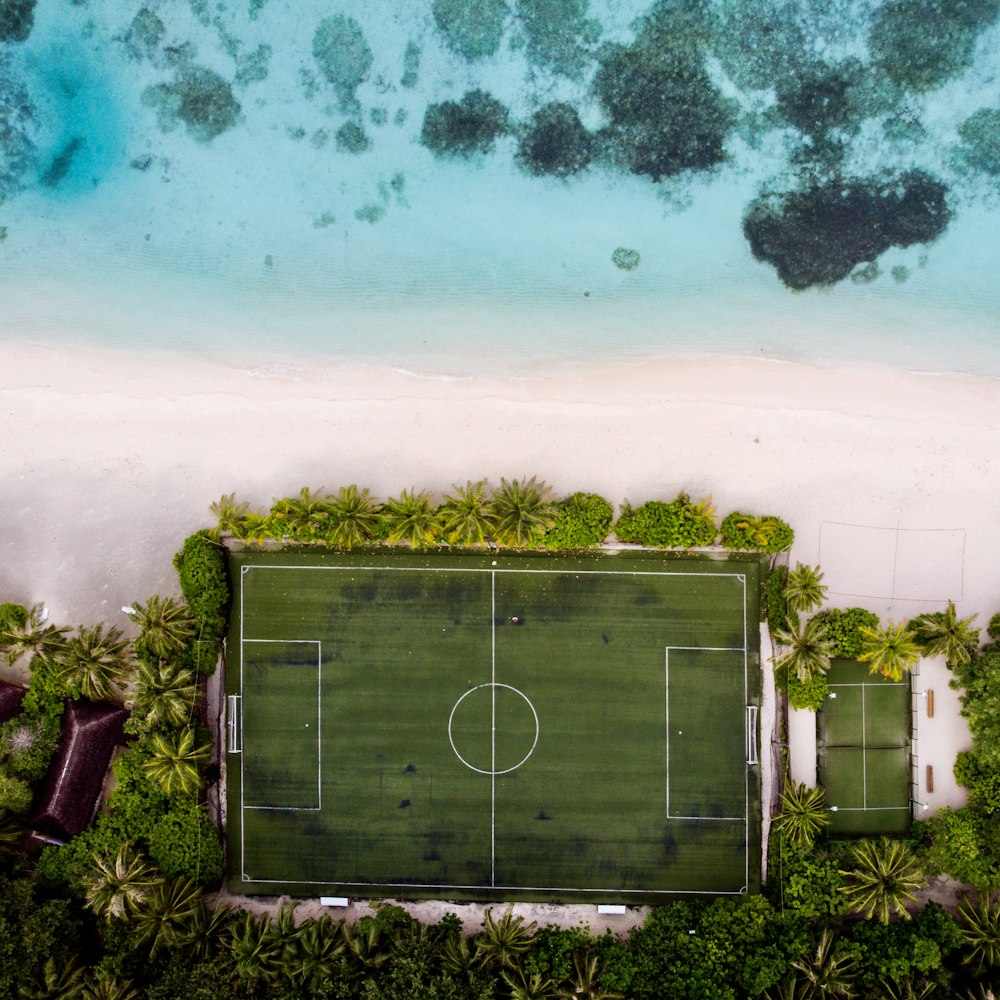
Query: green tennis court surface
{"x": 864, "y": 752}
{"x": 493, "y": 726}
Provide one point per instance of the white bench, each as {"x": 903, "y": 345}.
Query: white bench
{"x": 334, "y": 901}
{"x": 611, "y": 909}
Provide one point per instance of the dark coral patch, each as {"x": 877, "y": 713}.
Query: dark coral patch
{"x": 818, "y": 236}
{"x": 555, "y": 142}
{"x": 17, "y": 18}
{"x": 464, "y": 128}
{"x": 666, "y": 114}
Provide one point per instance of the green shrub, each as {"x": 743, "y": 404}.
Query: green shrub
{"x": 843, "y": 626}
{"x": 12, "y": 617}
{"x": 807, "y": 695}
{"x": 201, "y": 565}
{"x": 775, "y": 605}
{"x": 993, "y": 629}
{"x": 184, "y": 843}
{"x": 680, "y": 524}
{"x": 28, "y": 743}
{"x": 753, "y": 533}
{"x": 983, "y": 783}
{"x": 965, "y": 843}
{"x": 582, "y": 520}
{"x": 15, "y": 793}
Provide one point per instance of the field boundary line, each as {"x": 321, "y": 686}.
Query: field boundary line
{"x": 495, "y": 570}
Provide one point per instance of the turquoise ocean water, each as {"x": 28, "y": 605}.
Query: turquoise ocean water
{"x": 517, "y": 187}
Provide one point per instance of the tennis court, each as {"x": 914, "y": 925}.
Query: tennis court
{"x": 493, "y": 726}
{"x": 864, "y": 752}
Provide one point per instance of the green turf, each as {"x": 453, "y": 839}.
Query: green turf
{"x": 864, "y": 756}
{"x": 493, "y": 726}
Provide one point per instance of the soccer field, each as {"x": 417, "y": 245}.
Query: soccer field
{"x": 493, "y": 726}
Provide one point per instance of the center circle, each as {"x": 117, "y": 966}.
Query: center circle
{"x": 493, "y": 728}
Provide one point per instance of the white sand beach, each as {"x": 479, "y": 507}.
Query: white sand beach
{"x": 109, "y": 459}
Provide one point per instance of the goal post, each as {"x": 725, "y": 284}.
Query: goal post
{"x": 752, "y": 757}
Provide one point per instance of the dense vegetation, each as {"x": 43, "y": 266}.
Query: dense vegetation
{"x": 520, "y": 513}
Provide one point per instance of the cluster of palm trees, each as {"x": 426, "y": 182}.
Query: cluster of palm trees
{"x": 891, "y": 650}
{"x": 99, "y": 663}
{"x": 516, "y": 513}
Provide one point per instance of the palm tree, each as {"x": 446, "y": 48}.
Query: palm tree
{"x": 945, "y": 634}
{"x": 95, "y": 662}
{"x": 229, "y": 515}
{"x": 118, "y": 887}
{"x": 525, "y": 986}
{"x": 466, "y": 516}
{"x": 58, "y": 982}
{"x": 411, "y": 518}
{"x": 808, "y": 648}
{"x": 585, "y": 981}
{"x": 318, "y": 948}
{"x": 305, "y": 516}
{"x": 889, "y": 651}
{"x": 789, "y": 988}
{"x": 885, "y": 877}
{"x": 254, "y": 528}
{"x": 826, "y": 973}
{"x": 255, "y": 953}
{"x": 165, "y": 625}
{"x": 907, "y": 989}
{"x": 353, "y": 516}
{"x": 803, "y": 814}
{"x": 804, "y": 590}
{"x": 522, "y": 511}
{"x": 166, "y": 914}
{"x": 503, "y": 940}
{"x": 12, "y": 829}
{"x": 458, "y": 957}
{"x": 364, "y": 945}
{"x": 205, "y": 928}
{"x": 103, "y": 988}
{"x": 34, "y": 636}
{"x": 979, "y": 925}
{"x": 175, "y": 760}
{"x": 163, "y": 694}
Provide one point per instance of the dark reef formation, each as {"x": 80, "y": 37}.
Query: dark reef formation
{"x": 818, "y": 236}
{"x": 343, "y": 55}
{"x": 558, "y": 34}
{"x": 555, "y": 142}
{"x": 17, "y": 17}
{"x": 199, "y": 98}
{"x": 472, "y": 28}
{"x": 464, "y": 128}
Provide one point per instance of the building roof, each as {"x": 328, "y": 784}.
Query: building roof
{"x": 11, "y": 696}
{"x": 90, "y": 733}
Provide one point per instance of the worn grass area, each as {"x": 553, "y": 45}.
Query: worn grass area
{"x": 864, "y": 752}
{"x": 493, "y": 726}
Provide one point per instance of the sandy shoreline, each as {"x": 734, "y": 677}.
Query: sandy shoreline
{"x": 111, "y": 458}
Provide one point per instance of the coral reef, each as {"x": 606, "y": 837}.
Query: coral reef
{"x": 17, "y": 17}
{"x": 555, "y": 142}
{"x": 17, "y": 148}
{"x": 625, "y": 259}
{"x": 411, "y": 66}
{"x": 558, "y": 33}
{"x": 199, "y": 98}
{"x": 253, "y": 67}
{"x": 144, "y": 33}
{"x": 61, "y": 164}
{"x": 464, "y": 128}
{"x": 666, "y": 115}
{"x": 472, "y": 28}
{"x": 820, "y": 235}
{"x": 351, "y": 138}
{"x": 921, "y": 43}
{"x": 980, "y": 147}
{"x": 343, "y": 55}
{"x": 760, "y": 45}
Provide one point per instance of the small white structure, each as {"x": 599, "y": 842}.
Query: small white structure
{"x": 611, "y": 909}
{"x": 334, "y": 901}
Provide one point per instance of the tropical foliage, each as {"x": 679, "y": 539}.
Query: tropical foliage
{"x": 943, "y": 633}
{"x": 889, "y": 650}
{"x": 750, "y": 532}
{"x": 522, "y": 511}
{"x": 96, "y": 662}
{"x": 883, "y": 879}
{"x": 843, "y": 628}
{"x": 680, "y": 524}
{"x": 804, "y": 589}
{"x": 466, "y": 515}
{"x": 807, "y": 649}
{"x": 165, "y": 626}
{"x": 803, "y": 814}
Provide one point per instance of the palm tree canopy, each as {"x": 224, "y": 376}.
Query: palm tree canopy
{"x": 522, "y": 510}
{"x": 95, "y": 662}
{"x": 163, "y": 694}
{"x": 884, "y": 878}
{"x": 411, "y": 518}
{"x": 943, "y": 633}
{"x": 465, "y": 515}
{"x": 353, "y": 515}
{"x": 804, "y": 589}
{"x": 504, "y": 939}
{"x": 175, "y": 762}
{"x": 803, "y": 814}
{"x": 229, "y": 516}
{"x": 165, "y": 625}
{"x": 808, "y": 648}
{"x": 117, "y": 887}
{"x": 889, "y": 651}
{"x": 32, "y": 634}
{"x": 979, "y": 925}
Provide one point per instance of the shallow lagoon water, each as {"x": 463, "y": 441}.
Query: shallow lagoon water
{"x": 255, "y": 236}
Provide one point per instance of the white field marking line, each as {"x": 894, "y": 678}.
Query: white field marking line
{"x": 864, "y": 751}
{"x": 494, "y": 686}
{"x": 746, "y": 773}
{"x": 863, "y": 684}
{"x": 453, "y": 569}
{"x": 319, "y": 726}
{"x": 872, "y": 809}
{"x": 493, "y": 735}
{"x": 243, "y": 783}
{"x": 504, "y": 888}
{"x": 666, "y": 723}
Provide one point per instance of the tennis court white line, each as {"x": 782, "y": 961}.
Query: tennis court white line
{"x": 864, "y": 751}
{"x": 504, "y": 888}
{"x": 869, "y": 684}
{"x": 871, "y": 809}
{"x": 489, "y": 569}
